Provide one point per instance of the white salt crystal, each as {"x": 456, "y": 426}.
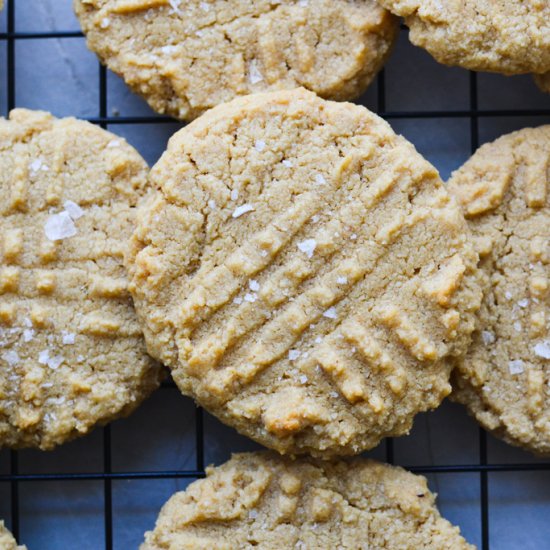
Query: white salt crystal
{"x": 342, "y": 280}
{"x": 330, "y": 313}
{"x": 488, "y": 337}
{"x": 259, "y": 145}
{"x": 28, "y": 334}
{"x": 44, "y": 357}
{"x": 11, "y": 357}
{"x": 240, "y": 210}
{"x": 293, "y": 354}
{"x": 516, "y": 366}
{"x": 54, "y": 362}
{"x": 524, "y": 302}
{"x": 543, "y": 349}
{"x": 320, "y": 180}
{"x": 254, "y": 75}
{"x": 308, "y": 247}
{"x": 254, "y": 285}
{"x": 59, "y": 226}
{"x": 234, "y": 194}
{"x": 73, "y": 210}
{"x": 68, "y": 337}
{"x": 287, "y": 163}
{"x": 250, "y": 297}
{"x": 303, "y": 379}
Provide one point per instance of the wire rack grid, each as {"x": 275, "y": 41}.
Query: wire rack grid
{"x": 483, "y": 467}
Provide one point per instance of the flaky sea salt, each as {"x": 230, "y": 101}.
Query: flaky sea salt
{"x": 68, "y": 337}
{"x": 73, "y": 210}
{"x": 169, "y": 49}
{"x": 35, "y": 165}
{"x": 105, "y": 22}
{"x": 303, "y": 379}
{"x": 175, "y": 4}
{"x": 330, "y": 313}
{"x": 250, "y": 297}
{"x": 205, "y": 6}
{"x": 524, "y": 302}
{"x": 59, "y": 226}
{"x": 293, "y": 354}
{"x": 212, "y": 204}
{"x": 11, "y": 357}
{"x": 287, "y": 163}
{"x": 318, "y": 340}
{"x": 488, "y": 337}
{"x": 254, "y": 74}
{"x": 517, "y": 326}
{"x": 542, "y": 349}
{"x": 259, "y": 145}
{"x": 341, "y": 280}
{"x": 308, "y": 247}
{"x": 28, "y": 334}
{"x": 44, "y": 357}
{"x": 253, "y": 285}
{"x": 238, "y": 300}
{"x": 234, "y": 194}
{"x": 114, "y": 143}
{"x": 253, "y": 514}
{"x": 243, "y": 209}
{"x": 320, "y": 180}
{"x": 516, "y": 366}
{"x": 55, "y": 362}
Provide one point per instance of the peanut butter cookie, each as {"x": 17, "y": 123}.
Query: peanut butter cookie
{"x": 7, "y": 542}
{"x": 504, "y": 36}
{"x": 71, "y": 352}
{"x": 260, "y": 500}
{"x": 504, "y": 379}
{"x": 303, "y": 272}
{"x": 185, "y": 57}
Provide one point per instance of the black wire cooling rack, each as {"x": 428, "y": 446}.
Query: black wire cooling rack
{"x": 107, "y": 476}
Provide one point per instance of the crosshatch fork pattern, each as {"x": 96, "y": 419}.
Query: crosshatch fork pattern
{"x": 14, "y": 478}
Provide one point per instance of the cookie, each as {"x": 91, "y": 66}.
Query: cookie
{"x": 507, "y": 36}
{"x": 303, "y": 272}
{"x": 71, "y": 352}
{"x": 185, "y": 57}
{"x": 504, "y": 378}
{"x": 7, "y": 542}
{"x": 260, "y": 500}
{"x": 543, "y": 81}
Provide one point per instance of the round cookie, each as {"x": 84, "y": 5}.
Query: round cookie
{"x": 7, "y": 542}
{"x": 260, "y": 500}
{"x": 71, "y": 352}
{"x": 504, "y": 36}
{"x": 504, "y": 378}
{"x": 303, "y": 272}
{"x": 185, "y": 57}
{"x": 543, "y": 81}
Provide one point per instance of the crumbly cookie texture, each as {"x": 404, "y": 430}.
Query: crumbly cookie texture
{"x": 260, "y": 500}
{"x": 185, "y": 57}
{"x": 304, "y": 273}
{"x": 504, "y": 379}
{"x": 7, "y": 542}
{"x": 543, "y": 81}
{"x": 71, "y": 352}
{"x": 504, "y": 36}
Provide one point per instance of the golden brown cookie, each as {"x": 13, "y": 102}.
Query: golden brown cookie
{"x": 260, "y": 500}
{"x": 543, "y": 81}
{"x": 504, "y": 36}
{"x": 303, "y": 272}
{"x": 185, "y": 57}
{"x": 7, "y": 542}
{"x": 504, "y": 380}
{"x": 71, "y": 351}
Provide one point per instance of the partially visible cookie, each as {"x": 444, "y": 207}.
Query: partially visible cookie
{"x": 71, "y": 352}
{"x": 7, "y": 542}
{"x": 260, "y": 500}
{"x": 504, "y": 380}
{"x": 303, "y": 272}
{"x": 507, "y": 36}
{"x": 185, "y": 57}
{"x": 543, "y": 81}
